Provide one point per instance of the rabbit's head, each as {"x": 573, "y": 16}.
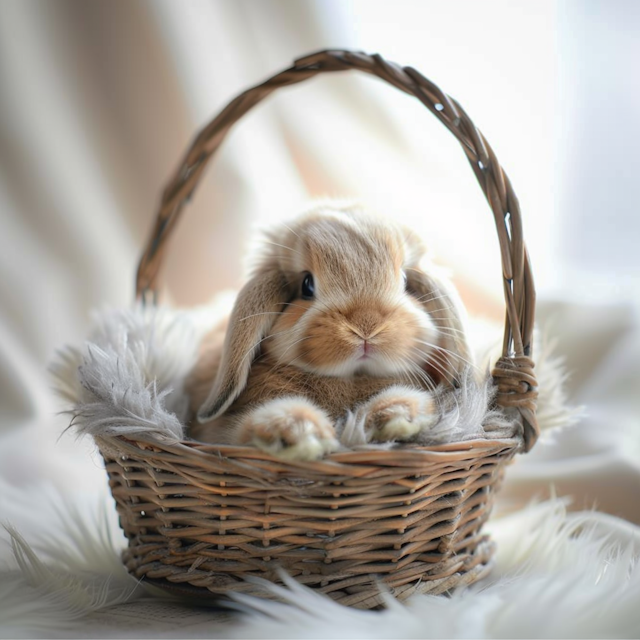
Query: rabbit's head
{"x": 339, "y": 292}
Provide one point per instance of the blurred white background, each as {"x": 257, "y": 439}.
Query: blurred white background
{"x": 99, "y": 100}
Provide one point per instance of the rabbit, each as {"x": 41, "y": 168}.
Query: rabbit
{"x": 338, "y": 316}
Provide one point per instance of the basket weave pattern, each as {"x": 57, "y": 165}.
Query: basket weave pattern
{"x": 412, "y": 520}
{"x": 202, "y": 518}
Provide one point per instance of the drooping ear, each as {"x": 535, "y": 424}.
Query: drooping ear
{"x": 253, "y": 315}
{"x": 441, "y": 302}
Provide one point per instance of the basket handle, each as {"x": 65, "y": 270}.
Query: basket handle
{"x": 513, "y": 372}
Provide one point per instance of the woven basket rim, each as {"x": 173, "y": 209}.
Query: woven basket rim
{"x": 410, "y": 456}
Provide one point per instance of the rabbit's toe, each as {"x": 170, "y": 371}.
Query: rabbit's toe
{"x": 396, "y": 415}
{"x": 290, "y": 429}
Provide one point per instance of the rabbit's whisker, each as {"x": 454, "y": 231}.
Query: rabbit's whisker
{"x": 283, "y": 246}
{"x": 432, "y": 311}
{"x": 447, "y": 351}
{"x": 293, "y": 344}
{"x": 302, "y": 355}
{"x": 421, "y": 374}
{"x": 323, "y": 306}
{"x": 252, "y": 348}
{"x": 451, "y": 331}
{"x": 437, "y": 396}
{"x": 438, "y": 368}
{"x": 262, "y": 313}
{"x": 427, "y": 356}
{"x": 415, "y": 380}
{"x": 286, "y": 226}
{"x": 434, "y": 297}
{"x": 447, "y": 328}
{"x": 434, "y": 317}
{"x": 257, "y": 344}
{"x": 297, "y": 306}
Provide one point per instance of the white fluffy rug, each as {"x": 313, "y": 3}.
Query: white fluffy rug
{"x": 558, "y": 574}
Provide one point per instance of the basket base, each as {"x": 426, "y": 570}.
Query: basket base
{"x": 373, "y": 595}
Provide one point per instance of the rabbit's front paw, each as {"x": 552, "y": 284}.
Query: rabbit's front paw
{"x": 398, "y": 413}
{"x": 289, "y": 428}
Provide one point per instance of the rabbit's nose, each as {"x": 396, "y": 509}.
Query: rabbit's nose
{"x": 365, "y": 323}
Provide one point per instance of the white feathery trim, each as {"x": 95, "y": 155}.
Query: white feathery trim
{"x": 553, "y": 408}
{"x": 129, "y": 379}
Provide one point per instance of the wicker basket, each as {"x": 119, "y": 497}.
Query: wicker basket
{"x": 200, "y": 519}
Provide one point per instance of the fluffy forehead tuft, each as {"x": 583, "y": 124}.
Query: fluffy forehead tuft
{"x": 343, "y": 245}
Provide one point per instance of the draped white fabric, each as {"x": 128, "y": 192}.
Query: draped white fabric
{"x": 98, "y": 101}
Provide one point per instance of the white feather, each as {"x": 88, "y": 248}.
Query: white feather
{"x": 128, "y": 379}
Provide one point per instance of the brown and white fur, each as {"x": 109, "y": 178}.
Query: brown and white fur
{"x": 377, "y": 336}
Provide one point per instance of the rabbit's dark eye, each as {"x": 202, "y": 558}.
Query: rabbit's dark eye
{"x": 405, "y": 281}
{"x": 308, "y": 288}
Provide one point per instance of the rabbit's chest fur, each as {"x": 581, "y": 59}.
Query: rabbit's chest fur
{"x": 333, "y": 394}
